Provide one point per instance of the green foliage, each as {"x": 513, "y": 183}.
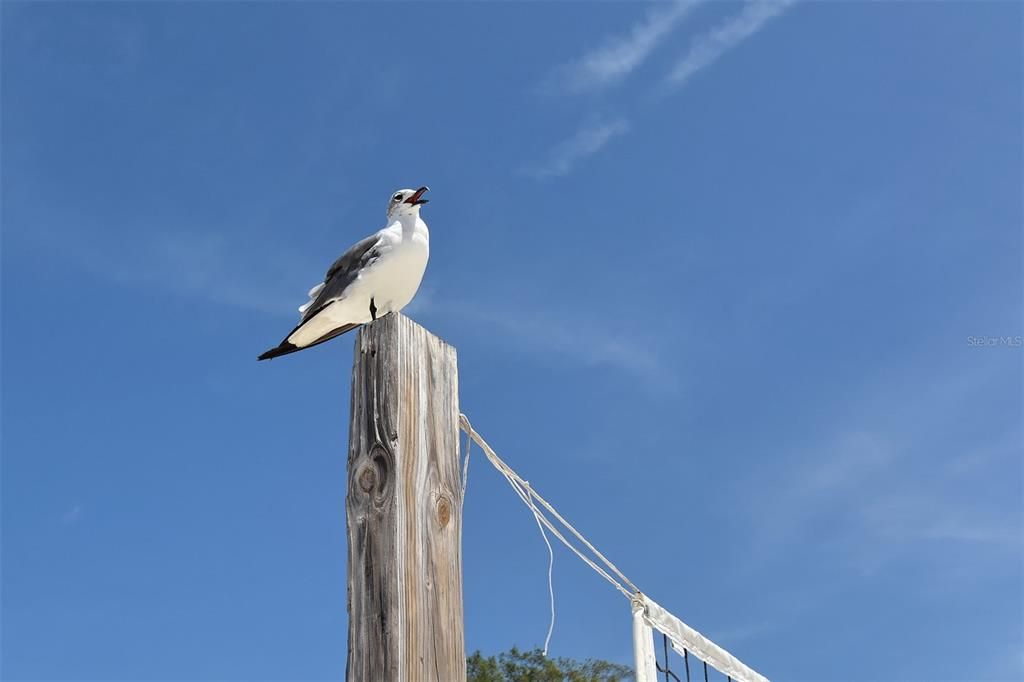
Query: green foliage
{"x": 532, "y": 666}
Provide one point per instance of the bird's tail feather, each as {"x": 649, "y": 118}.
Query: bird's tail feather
{"x": 285, "y": 347}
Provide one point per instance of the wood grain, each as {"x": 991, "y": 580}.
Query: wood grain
{"x": 403, "y": 508}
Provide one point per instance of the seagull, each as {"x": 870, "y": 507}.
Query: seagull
{"x": 377, "y": 276}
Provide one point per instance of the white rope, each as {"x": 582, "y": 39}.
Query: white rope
{"x": 679, "y": 632}
{"x": 465, "y": 469}
{"x": 551, "y": 569}
{"x": 527, "y": 496}
{"x": 519, "y": 485}
{"x": 497, "y": 461}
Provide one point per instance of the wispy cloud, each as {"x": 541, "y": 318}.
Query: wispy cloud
{"x": 821, "y": 482}
{"x": 707, "y": 48}
{"x": 619, "y": 56}
{"x": 873, "y": 491}
{"x": 71, "y": 516}
{"x": 211, "y": 267}
{"x": 575, "y": 339}
{"x": 587, "y": 141}
{"x": 204, "y": 265}
{"x": 929, "y": 516}
{"x": 583, "y": 342}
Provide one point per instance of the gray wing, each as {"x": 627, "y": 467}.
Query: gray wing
{"x": 343, "y": 272}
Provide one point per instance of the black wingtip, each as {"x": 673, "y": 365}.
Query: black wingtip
{"x": 284, "y": 349}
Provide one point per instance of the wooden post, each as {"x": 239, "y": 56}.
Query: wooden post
{"x": 403, "y": 508}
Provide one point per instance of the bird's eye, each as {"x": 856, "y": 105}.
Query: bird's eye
{"x": 397, "y": 197}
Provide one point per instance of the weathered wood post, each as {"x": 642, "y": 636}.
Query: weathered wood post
{"x": 403, "y": 508}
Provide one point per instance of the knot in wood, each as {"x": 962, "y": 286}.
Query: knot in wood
{"x": 444, "y": 511}
{"x": 367, "y": 478}
{"x": 371, "y": 477}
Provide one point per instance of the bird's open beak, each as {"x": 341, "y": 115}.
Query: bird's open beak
{"x": 415, "y": 198}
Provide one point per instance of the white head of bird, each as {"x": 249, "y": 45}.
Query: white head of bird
{"x": 405, "y": 204}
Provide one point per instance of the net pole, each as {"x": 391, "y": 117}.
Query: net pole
{"x": 643, "y": 646}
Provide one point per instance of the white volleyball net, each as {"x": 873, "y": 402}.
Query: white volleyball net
{"x": 698, "y": 653}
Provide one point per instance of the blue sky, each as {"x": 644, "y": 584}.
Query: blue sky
{"x": 715, "y": 274}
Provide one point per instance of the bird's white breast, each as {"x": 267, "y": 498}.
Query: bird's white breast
{"x": 394, "y": 279}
